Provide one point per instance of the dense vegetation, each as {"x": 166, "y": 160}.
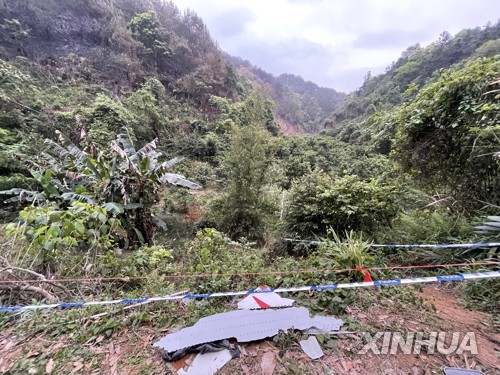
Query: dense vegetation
{"x": 301, "y": 105}
{"x": 130, "y": 145}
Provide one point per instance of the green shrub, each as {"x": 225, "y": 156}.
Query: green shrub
{"x": 483, "y": 295}
{"x": 319, "y": 202}
{"x": 211, "y": 252}
{"x": 148, "y": 260}
{"x": 448, "y": 135}
{"x": 51, "y": 234}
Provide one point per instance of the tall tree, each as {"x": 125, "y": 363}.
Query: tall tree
{"x": 241, "y": 210}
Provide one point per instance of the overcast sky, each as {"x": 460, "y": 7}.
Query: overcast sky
{"x": 333, "y": 42}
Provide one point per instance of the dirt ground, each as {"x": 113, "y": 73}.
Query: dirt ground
{"x": 130, "y": 352}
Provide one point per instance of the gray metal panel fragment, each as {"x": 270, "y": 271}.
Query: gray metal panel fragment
{"x": 207, "y": 363}
{"x": 311, "y": 348}
{"x": 460, "y": 371}
{"x": 326, "y": 323}
{"x": 244, "y": 326}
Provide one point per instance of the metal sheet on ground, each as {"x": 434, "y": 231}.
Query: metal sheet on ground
{"x": 311, "y": 348}
{"x": 245, "y": 326}
{"x": 207, "y": 363}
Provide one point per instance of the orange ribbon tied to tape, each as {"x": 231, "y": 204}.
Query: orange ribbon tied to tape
{"x": 368, "y": 277}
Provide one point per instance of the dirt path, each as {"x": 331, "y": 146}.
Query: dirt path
{"x": 129, "y": 351}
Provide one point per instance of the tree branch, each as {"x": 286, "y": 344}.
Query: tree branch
{"x": 8, "y": 266}
{"x": 31, "y": 288}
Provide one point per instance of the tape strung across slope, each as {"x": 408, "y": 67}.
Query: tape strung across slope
{"x": 418, "y": 280}
{"x": 409, "y": 246}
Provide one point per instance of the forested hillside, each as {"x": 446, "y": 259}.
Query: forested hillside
{"x": 119, "y": 44}
{"x": 436, "y": 111}
{"x": 299, "y": 103}
{"x": 138, "y": 159}
{"x": 404, "y": 77}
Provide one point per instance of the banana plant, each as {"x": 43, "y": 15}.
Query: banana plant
{"x": 127, "y": 186}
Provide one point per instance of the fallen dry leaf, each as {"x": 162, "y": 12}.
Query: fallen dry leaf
{"x": 268, "y": 363}
{"x": 57, "y": 346}
{"x": 99, "y": 350}
{"x": 32, "y": 353}
{"x": 50, "y": 366}
{"x": 348, "y": 365}
{"x": 114, "y": 369}
{"x": 340, "y": 369}
{"x": 6, "y": 345}
{"x": 246, "y": 370}
{"x": 99, "y": 339}
{"x": 77, "y": 366}
{"x": 344, "y": 365}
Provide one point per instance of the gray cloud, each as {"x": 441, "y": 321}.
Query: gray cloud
{"x": 391, "y": 38}
{"x": 231, "y": 22}
{"x": 333, "y": 43}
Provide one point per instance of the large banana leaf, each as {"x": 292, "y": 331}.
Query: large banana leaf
{"x": 21, "y": 195}
{"x": 114, "y": 208}
{"x": 126, "y": 143}
{"x": 171, "y": 162}
{"x": 72, "y": 196}
{"x": 177, "y": 179}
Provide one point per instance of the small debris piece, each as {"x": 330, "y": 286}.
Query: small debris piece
{"x": 175, "y": 366}
{"x": 311, "y": 348}
{"x": 459, "y": 371}
{"x": 207, "y": 363}
{"x": 264, "y": 300}
{"x": 326, "y": 324}
{"x": 245, "y": 326}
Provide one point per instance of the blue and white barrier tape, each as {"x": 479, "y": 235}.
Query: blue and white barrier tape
{"x": 427, "y": 246}
{"x": 456, "y": 277}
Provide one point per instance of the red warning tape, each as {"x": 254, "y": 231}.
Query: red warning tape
{"x": 187, "y": 276}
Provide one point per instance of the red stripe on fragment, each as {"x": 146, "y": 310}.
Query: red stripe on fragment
{"x": 261, "y": 304}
